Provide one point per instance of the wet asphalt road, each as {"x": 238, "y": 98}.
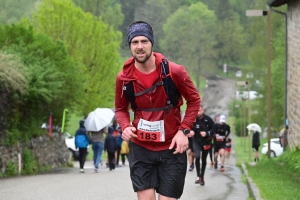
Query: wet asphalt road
{"x": 69, "y": 184}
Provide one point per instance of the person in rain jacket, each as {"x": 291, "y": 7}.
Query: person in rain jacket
{"x": 81, "y": 142}
{"x": 111, "y": 147}
{"x": 157, "y": 130}
{"x": 255, "y": 145}
{"x": 124, "y": 151}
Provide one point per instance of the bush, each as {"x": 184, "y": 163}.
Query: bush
{"x": 11, "y": 169}
{"x": 238, "y": 126}
{"x": 29, "y": 163}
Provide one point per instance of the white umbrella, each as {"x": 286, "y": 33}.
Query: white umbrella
{"x": 254, "y": 127}
{"x": 98, "y": 119}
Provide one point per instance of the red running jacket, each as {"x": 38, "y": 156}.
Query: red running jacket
{"x": 172, "y": 118}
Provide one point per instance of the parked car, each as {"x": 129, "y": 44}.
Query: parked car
{"x": 238, "y": 74}
{"x": 275, "y": 147}
{"x": 244, "y": 95}
{"x": 54, "y": 127}
{"x": 70, "y": 142}
{"x": 249, "y": 75}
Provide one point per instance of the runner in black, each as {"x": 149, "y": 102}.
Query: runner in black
{"x": 202, "y": 128}
{"x": 221, "y": 131}
{"x": 190, "y": 154}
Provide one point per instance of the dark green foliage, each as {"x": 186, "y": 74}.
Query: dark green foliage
{"x": 109, "y": 10}
{"x": 292, "y": 159}
{"x": 256, "y": 28}
{"x": 238, "y": 126}
{"x": 11, "y": 169}
{"x": 90, "y": 42}
{"x": 13, "y": 10}
{"x": 53, "y": 85}
{"x": 29, "y": 163}
{"x": 277, "y": 178}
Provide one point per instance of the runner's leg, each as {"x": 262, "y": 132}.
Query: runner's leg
{"x": 197, "y": 151}
{"x": 222, "y": 153}
{"x": 203, "y": 165}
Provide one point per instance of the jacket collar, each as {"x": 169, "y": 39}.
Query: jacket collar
{"x": 128, "y": 68}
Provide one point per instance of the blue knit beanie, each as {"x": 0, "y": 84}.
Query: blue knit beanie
{"x": 140, "y": 28}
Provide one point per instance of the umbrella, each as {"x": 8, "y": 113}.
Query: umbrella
{"x": 254, "y": 127}
{"x": 98, "y": 119}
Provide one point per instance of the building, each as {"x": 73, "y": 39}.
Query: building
{"x": 293, "y": 67}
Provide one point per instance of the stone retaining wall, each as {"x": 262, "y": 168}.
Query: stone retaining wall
{"x": 47, "y": 151}
{"x": 293, "y": 81}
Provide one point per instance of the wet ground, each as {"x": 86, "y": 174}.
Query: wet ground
{"x": 69, "y": 183}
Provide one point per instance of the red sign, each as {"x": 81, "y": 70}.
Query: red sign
{"x": 50, "y": 125}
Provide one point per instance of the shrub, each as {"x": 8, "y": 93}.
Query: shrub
{"x": 29, "y": 163}
{"x": 11, "y": 169}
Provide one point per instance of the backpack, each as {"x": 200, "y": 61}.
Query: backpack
{"x": 169, "y": 87}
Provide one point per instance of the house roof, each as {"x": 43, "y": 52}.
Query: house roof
{"x": 277, "y": 3}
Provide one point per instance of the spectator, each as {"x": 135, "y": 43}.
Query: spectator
{"x": 110, "y": 146}
{"x": 124, "y": 151}
{"x": 255, "y": 145}
{"x": 81, "y": 142}
{"x": 97, "y": 145}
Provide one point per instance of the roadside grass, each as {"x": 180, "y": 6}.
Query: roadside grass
{"x": 244, "y": 152}
{"x": 275, "y": 178}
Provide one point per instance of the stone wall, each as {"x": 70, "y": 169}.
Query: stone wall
{"x": 47, "y": 151}
{"x": 293, "y": 77}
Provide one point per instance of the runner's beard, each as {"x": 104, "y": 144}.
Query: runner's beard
{"x": 200, "y": 116}
{"x": 144, "y": 60}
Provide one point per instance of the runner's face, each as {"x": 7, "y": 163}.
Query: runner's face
{"x": 200, "y": 112}
{"x": 141, "y": 48}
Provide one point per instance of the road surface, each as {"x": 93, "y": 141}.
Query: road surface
{"x": 70, "y": 184}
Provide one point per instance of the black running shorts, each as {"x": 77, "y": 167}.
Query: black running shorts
{"x": 255, "y": 148}
{"x": 161, "y": 170}
{"x": 219, "y": 145}
{"x": 191, "y": 144}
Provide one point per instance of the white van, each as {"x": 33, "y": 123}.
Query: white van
{"x": 243, "y": 95}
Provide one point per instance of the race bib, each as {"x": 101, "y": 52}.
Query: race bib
{"x": 220, "y": 138}
{"x": 151, "y": 131}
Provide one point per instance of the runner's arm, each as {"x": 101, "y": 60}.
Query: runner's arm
{"x": 121, "y": 105}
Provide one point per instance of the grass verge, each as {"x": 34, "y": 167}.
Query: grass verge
{"x": 276, "y": 178}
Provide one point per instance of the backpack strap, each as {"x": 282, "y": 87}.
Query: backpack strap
{"x": 149, "y": 89}
{"x": 169, "y": 85}
{"x": 129, "y": 94}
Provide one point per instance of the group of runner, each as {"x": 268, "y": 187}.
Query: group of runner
{"x": 210, "y": 137}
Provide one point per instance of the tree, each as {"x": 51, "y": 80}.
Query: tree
{"x": 231, "y": 42}
{"x": 51, "y": 84}
{"x": 13, "y": 10}
{"x": 109, "y": 11}
{"x": 91, "y": 42}
{"x": 257, "y": 42}
{"x": 128, "y": 11}
{"x": 13, "y": 82}
{"x": 194, "y": 39}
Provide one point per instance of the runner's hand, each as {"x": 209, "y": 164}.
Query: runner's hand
{"x": 191, "y": 134}
{"x": 181, "y": 141}
{"x": 203, "y": 133}
{"x": 129, "y": 133}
